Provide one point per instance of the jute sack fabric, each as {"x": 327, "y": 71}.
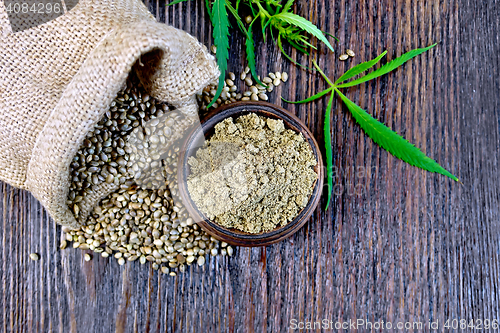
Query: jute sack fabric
{"x": 58, "y": 79}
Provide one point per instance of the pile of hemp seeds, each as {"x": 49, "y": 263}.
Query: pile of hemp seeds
{"x": 145, "y": 224}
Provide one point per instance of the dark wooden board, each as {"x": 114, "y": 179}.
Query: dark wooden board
{"x": 412, "y": 246}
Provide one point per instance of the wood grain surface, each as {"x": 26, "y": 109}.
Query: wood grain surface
{"x": 398, "y": 244}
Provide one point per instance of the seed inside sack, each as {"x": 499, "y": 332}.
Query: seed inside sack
{"x": 143, "y": 219}
{"x": 134, "y": 222}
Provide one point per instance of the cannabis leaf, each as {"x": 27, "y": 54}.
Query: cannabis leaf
{"x": 391, "y": 141}
{"x": 288, "y": 6}
{"x": 389, "y": 67}
{"x": 251, "y": 55}
{"x": 175, "y": 2}
{"x": 378, "y": 132}
{"x": 304, "y": 24}
{"x": 221, "y": 38}
{"x": 360, "y": 68}
{"x": 273, "y": 16}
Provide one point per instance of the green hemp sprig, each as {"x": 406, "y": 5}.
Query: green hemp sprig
{"x": 378, "y": 132}
{"x": 272, "y": 14}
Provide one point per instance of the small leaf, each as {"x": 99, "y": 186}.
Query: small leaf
{"x": 273, "y": 2}
{"x": 312, "y": 98}
{"x": 328, "y": 150}
{"x": 254, "y": 12}
{"x": 391, "y": 141}
{"x": 232, "y": 10}
{"x": 390, "y": 66}
{"x": 330, "y": 35}
{"x": 360, "y": 68}
{"x": 221, "y": 39}
{"x": 236, "y": 16}
{"x": 251, "y": 55}
{"x": 304, "y": 24}
{"x": 306, "y": 43}
{"x": 298, "y": 47}
{"x": 288, "y": 6}
{"x": 175, "y": 2}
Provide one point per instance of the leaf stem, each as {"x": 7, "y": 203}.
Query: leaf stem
{"x": 322, "y": 74}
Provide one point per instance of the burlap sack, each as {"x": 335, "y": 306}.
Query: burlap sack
{"x": 58, "y": 79}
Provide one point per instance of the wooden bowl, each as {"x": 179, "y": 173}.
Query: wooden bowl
{"x": 191, "y": 145}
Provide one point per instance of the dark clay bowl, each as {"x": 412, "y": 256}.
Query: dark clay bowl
{"x": 234, "y": 236}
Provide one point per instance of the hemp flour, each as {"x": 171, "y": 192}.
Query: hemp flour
{"x": 252, "y": 174}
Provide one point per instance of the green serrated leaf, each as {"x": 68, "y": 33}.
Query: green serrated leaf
{"x": 306, "y": 43}
{"x": 304, "y": 24}
{"x": 175, "y": 2}
{"x": 360, "y": 68}
{"x": 254, "y": 12}
{"x": 236, "y": 16}
{"x": 312, "y": 98}
{"x": 391, "y": 141}
{"x": 390, "y": 66}
{"x": 273, "y": 2}
{"x": 330, "y": 35}
{"x": 232, "y": 10}
{"x": 328, "y": 150}
{"x": 221, "y": 40}
{"x": 251, "y": 55}
{"x": 298, "y": 47}
{"x": 288, "y": 6}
